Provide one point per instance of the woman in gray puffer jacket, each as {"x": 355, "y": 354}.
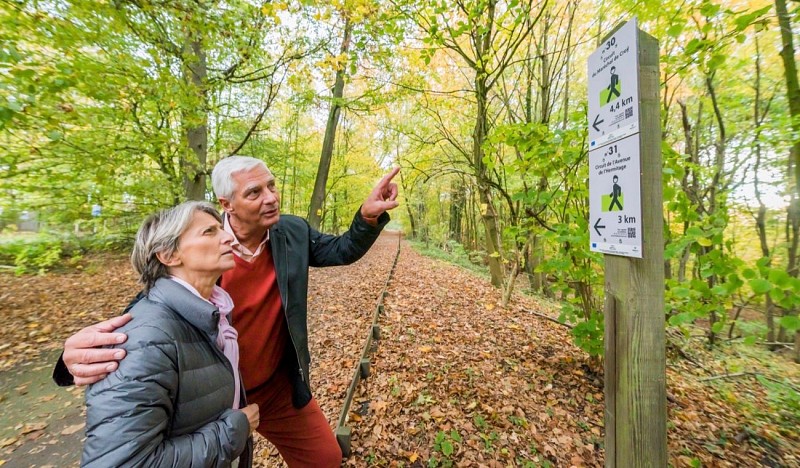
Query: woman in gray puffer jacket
{"x": 176, "y": 399}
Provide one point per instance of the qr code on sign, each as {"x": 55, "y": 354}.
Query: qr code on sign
{"x": 628, "y": 112}
{"x": 631, "y": 233}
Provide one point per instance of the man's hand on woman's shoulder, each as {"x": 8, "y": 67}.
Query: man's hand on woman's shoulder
{"x": 84, "y": 356}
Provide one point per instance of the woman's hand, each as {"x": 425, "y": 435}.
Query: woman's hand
{"x": 251, "y": 411}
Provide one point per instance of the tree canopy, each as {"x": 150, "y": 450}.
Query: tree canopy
{"x": 125, "y": 106}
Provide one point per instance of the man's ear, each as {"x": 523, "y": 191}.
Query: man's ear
{"x": 226, "y": 204}
{"x": 168, "y": 260}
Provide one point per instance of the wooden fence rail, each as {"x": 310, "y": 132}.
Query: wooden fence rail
{"x": 362, "y": 369}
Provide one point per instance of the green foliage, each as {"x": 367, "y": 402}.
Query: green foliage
{"x": 784, "y": 400}
{"x": 445, "y": 444}
{"x": 588, "y": 334}
{"x": 36, "y": 257}
{"x": 44, "y": 253}
{"x": 451, "y": 252}
{"x": 555, "y": 158}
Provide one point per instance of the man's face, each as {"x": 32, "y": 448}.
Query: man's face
{"x": 256, "y": 201}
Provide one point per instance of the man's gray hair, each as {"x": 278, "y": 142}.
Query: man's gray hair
{"x": 222, "y": 175}
{"x": 159, "y": 233}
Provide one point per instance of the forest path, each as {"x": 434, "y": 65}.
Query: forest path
{"x": 455, "y": 379}
{"x": 460, "y": 379}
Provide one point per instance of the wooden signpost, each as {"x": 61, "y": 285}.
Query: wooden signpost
{"x": 626, "y": 225}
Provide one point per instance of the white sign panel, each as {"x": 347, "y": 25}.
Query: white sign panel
{"x": 614, "y": 88}
{"x": 615, "y": 209}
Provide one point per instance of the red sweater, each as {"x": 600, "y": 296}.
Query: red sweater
{"x": 257, "y": 317}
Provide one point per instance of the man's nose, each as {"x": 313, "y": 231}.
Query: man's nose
{"x": 270, "y": 197}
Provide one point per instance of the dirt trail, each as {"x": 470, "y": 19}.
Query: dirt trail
{"x": 456, "y": 380}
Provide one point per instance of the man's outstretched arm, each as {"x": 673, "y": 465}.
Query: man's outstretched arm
{"x": 329, "y": 250}
{"x": 84, "y": 361}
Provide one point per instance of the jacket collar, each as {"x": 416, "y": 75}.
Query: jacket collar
{"x": 201, "y": 314}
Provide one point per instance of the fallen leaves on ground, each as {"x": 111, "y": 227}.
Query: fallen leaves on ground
{"x": 458, "y": 379}
{"x": 455, "y": 378}
{"x": 40, "y": 311}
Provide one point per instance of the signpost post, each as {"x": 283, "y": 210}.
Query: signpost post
{"x": 625, "y": 205}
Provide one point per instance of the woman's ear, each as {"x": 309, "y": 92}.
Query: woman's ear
{"x": 170, "y": 260}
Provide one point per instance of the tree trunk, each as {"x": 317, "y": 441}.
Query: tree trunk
{"x": 544, "y": 75}
{"x": 690, "y": 189}
{"x": 793, "y": 96}
{"x": 488, "y": 213}
{"x": 716, "y": 186}
{"x": 193, "y": 165}
{"x": 792, "y": 86}
{"x": 471, "y": 233}
{"x": 456, "y": 211}
{"x": 318, "y": 196}
{"x": 536, "y": 280}
{"x": 571, "y": 7}
{"x": 293, "y": 198}
{"x": 512, "y": 278}
{"x": 407, "y": 194}
{"x": 423, "y": 229}
{"x": 761, "y": 216}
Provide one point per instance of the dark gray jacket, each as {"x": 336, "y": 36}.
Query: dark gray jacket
{"x": 295, "y": 247}
{"x": 169, "y": 403}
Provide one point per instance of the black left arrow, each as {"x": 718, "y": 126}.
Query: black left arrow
{"x": 597, "y": 227}
{"x": 597, "y": 122}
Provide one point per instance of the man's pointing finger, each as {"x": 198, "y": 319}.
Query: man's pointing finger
{"x": 388, "y": 177}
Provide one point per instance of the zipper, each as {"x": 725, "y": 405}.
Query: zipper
{"x": 285, "y": 262}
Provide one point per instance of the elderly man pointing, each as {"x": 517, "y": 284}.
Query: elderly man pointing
{"x": 269, "y": 287}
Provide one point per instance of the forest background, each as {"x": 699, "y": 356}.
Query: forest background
{"x": 110, "y": 110}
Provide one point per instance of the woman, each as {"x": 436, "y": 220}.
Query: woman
{"x": 175, "y": 399}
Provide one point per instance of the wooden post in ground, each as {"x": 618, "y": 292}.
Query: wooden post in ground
{"x": 635, "y": 363}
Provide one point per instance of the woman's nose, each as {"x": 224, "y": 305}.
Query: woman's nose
{"x": 227, "y": 238}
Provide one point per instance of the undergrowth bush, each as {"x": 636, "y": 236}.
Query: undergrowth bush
{"x": 41, "y": 254}
{"x": 451, "y": 252}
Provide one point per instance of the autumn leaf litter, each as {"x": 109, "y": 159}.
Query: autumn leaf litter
{"x": 455, "y": 378}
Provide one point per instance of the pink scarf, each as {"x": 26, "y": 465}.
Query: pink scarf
{"x": 226, "y": 337}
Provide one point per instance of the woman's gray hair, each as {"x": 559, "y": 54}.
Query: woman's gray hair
{"x": 159, "y": 233}
{"x": 221, "y": 176}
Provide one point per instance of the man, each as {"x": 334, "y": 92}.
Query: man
{"x": 269, "y": 287}
{"x": 616, "y": 192}
{"x": 612, "y": 87}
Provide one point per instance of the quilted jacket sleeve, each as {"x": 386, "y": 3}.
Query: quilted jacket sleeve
{"x": 128, "y": 414}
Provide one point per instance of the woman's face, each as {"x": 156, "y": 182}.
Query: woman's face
{"x": 203, "y": 248}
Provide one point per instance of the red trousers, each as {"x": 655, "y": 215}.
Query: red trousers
{"x": 302, "y": 436}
